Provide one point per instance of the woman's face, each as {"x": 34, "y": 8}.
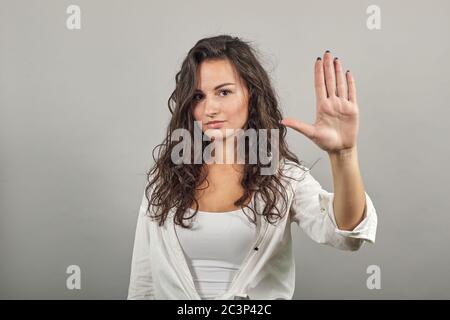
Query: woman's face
{"x": 221, "y": 95}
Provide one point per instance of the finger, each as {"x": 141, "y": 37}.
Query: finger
{"x": 319, "y": 80}
{"x": 330, "y": 80}
{"x": 300, "y": 126}
{"x": 340, "y": 79}
{"x": 351, "y": 86}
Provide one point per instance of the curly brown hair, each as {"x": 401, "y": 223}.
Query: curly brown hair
{"x": 172, "y": 186}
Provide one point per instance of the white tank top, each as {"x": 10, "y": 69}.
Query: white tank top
{"x": 215, "y": 247}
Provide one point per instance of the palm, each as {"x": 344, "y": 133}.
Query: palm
{"x": 336, "y": 124}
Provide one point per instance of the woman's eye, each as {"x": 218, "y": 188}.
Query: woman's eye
{"x": 197, "y": 97}
{"x": 227, "y": 91}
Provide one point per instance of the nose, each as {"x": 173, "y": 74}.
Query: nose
{"x": 211, "y": 107}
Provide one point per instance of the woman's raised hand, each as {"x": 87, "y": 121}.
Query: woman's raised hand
{"x": 337, "y": 115}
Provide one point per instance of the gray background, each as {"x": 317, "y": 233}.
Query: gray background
{"x": 81, "y": 111}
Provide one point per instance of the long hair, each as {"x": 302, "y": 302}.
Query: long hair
{"x": 172, "y": 186}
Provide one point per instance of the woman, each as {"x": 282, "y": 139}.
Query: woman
{"x": 221, "y": 230}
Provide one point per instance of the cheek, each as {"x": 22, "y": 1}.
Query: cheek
{"x": 240, "y": 113}
{"x": 197, "y": 113}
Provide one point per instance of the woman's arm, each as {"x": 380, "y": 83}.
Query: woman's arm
{"x": 141, "y": 280}
{"x": 312, "y": 210}
{"x": 349, "y": 195}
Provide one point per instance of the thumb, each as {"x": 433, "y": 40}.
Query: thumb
{"x": 300, "y": 126}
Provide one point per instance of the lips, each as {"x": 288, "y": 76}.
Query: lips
{"x": 215, "y": 124}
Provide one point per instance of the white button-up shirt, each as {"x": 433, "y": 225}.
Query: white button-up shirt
{"x": 159, "y": 269}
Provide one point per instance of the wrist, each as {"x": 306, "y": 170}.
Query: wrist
{"x": 344, "y": 154}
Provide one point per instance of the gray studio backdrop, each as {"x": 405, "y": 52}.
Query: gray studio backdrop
{"x": 81, "y": 110}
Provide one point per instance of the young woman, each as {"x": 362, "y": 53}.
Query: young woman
{"x": 215, "y": 230}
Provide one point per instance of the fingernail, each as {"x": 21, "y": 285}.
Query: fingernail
{"x": 319, "y": 58}
{"x": 335, "y": 58}
{"x": 327, "y": 51}
{"x": 347, "y": 71}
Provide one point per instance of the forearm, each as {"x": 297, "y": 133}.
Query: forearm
{"x": 349, "y": 194}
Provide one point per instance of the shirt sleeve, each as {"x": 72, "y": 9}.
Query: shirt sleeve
{"x": 312, "y": 210}
{"x": 141, "y": 282}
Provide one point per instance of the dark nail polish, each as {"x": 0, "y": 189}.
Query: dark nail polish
{"x": 327, "y": 51}
{"x": 347, "y": 71}
{"x": 335, "y": 58}
{"x": 319, "y": 58}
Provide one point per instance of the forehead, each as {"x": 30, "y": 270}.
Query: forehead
{"x": 211, "y": 73}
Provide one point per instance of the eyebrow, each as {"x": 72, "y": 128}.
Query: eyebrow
{"x": 219, "y": 86}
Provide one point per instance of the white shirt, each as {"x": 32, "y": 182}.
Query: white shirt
{"x": 215, "y": 247}
{"x": 159, "y": 269}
